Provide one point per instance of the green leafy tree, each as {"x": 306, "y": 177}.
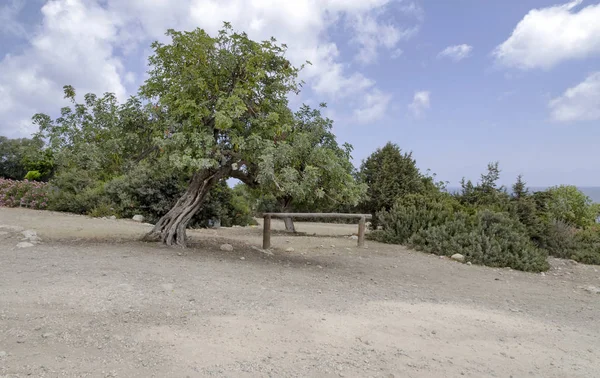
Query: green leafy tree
{"x": 19, "y": 156}
{"x": 568, "y": 204}
{"x": 225, "y": 103}
{"x": 99, "y": 136}
{"x": 310, "y": 171}
{"x": 390, "y": 174}
{"x": 487, "y": 192}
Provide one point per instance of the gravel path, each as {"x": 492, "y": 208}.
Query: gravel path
{"x": 86, "y": 299}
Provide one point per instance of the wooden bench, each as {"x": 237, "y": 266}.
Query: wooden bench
{"x": 362, "y": 218}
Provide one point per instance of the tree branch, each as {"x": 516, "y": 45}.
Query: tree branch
{"x": 244, "y": 177}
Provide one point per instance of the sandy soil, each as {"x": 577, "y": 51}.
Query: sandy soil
{"x": 92, "y": 301}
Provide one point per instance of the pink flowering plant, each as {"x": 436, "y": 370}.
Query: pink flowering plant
{"x": 29, "y": 194}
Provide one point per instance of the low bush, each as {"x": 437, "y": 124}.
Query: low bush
{"x": 487, "y": 238}
{"x": 30, "y": 194}
{"x": 413, "y": 213}
{"x": 75, "y": 191}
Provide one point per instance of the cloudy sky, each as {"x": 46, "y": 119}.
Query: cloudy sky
{"x": 460, "y": 83}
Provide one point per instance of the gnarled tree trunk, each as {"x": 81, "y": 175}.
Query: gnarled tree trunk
{"x": 289, "y": 224}
{"x": 170, "y": 229}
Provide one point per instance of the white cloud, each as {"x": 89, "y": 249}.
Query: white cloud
{"x": 74, "y": 46}
{"x": 8, "y": 18}
{"x": 375, "y": 34}
{"x": 580, "y": 103}
{"x": 421, "y": 103}
{"x": 374, "y": 107}
{"x": 549, "y": 36}
{"x": 457, "y": 52}
{"x": 86, "y": 42}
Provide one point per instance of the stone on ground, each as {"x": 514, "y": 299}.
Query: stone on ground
{"x": 138, "y": 218}
{"x": 226, "y": 247}
{"x": 25, "y": 245}
{"x": 458, "y": 257}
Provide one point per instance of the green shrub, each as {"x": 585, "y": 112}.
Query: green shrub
{"x": 488, "y": 238}
{"x": 33, "y": 175}
{"x": 413, "y": 213}
{"x": 145, "y": 190}
{"x": 74, "y": 191}
{"x": 568, "y": 204}
{"x": 152, "y": 192}
{"x": 587, "y": 246}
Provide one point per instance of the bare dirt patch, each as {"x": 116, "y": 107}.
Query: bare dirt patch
{"x": 88, "y": 299}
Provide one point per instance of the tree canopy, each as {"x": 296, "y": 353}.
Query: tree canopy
{"x": 390, "y": 174}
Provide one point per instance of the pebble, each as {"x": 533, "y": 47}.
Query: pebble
{"x": 226, "y": 247}
{"x": 29, "y": 234}
{"x": 25, "y": 245}
{"x": 354, "y": 237}
{"x": 469, "y": 263}
{"x": 242, "y": 258}
{"x": 592, "y": 290}
{"x": 138, "y": 218}
{"x": 290, "y": 249}
{"x": 458, "y": 257}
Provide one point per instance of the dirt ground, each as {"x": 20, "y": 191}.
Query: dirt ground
{"x": 89, "y": 300}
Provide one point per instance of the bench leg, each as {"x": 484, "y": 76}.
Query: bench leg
{"x": 361, "y": 232}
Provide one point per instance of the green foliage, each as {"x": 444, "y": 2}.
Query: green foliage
{"x": 488, "y": 238}
{"x": 75, "y": 191}
{"x": 33, "y": 176}
{"x": 489, "y": 226}
{"x": 149, "y": 190}
{"x": 587, "y": 246}
{"x": 413, "y": 213}
{"x": 224, "y": 99}
{"x": 18, "y": 156}
{"x": 568, "y": 204}
{"x": 486, "y": 193}
{"x": 99, "y": 136}
{"x": 391, "y": 174}
{"x": 227, "y": 205}
{"x": 308, "y": 170}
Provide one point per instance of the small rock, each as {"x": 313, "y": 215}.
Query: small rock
{"x": 24, "y": 245}
{"x": 290, "y": 249}
{"x": 354, "y": 237}
{"x": 333, "y": 246}
{"x": 112, "y": 217}
{"x": 226, "y": 247}
{"x": 138, "y": 218}
{"x": 29, "y": 234}
{"x": 242, "y": 258}
{"x": 543, "y": 274}
{"x": 469, "y": 263}
{"x": 592, "y": 290}
{"x": 458, "y": 257}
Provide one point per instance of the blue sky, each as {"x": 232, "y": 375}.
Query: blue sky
{"x": 460, "y": 83}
